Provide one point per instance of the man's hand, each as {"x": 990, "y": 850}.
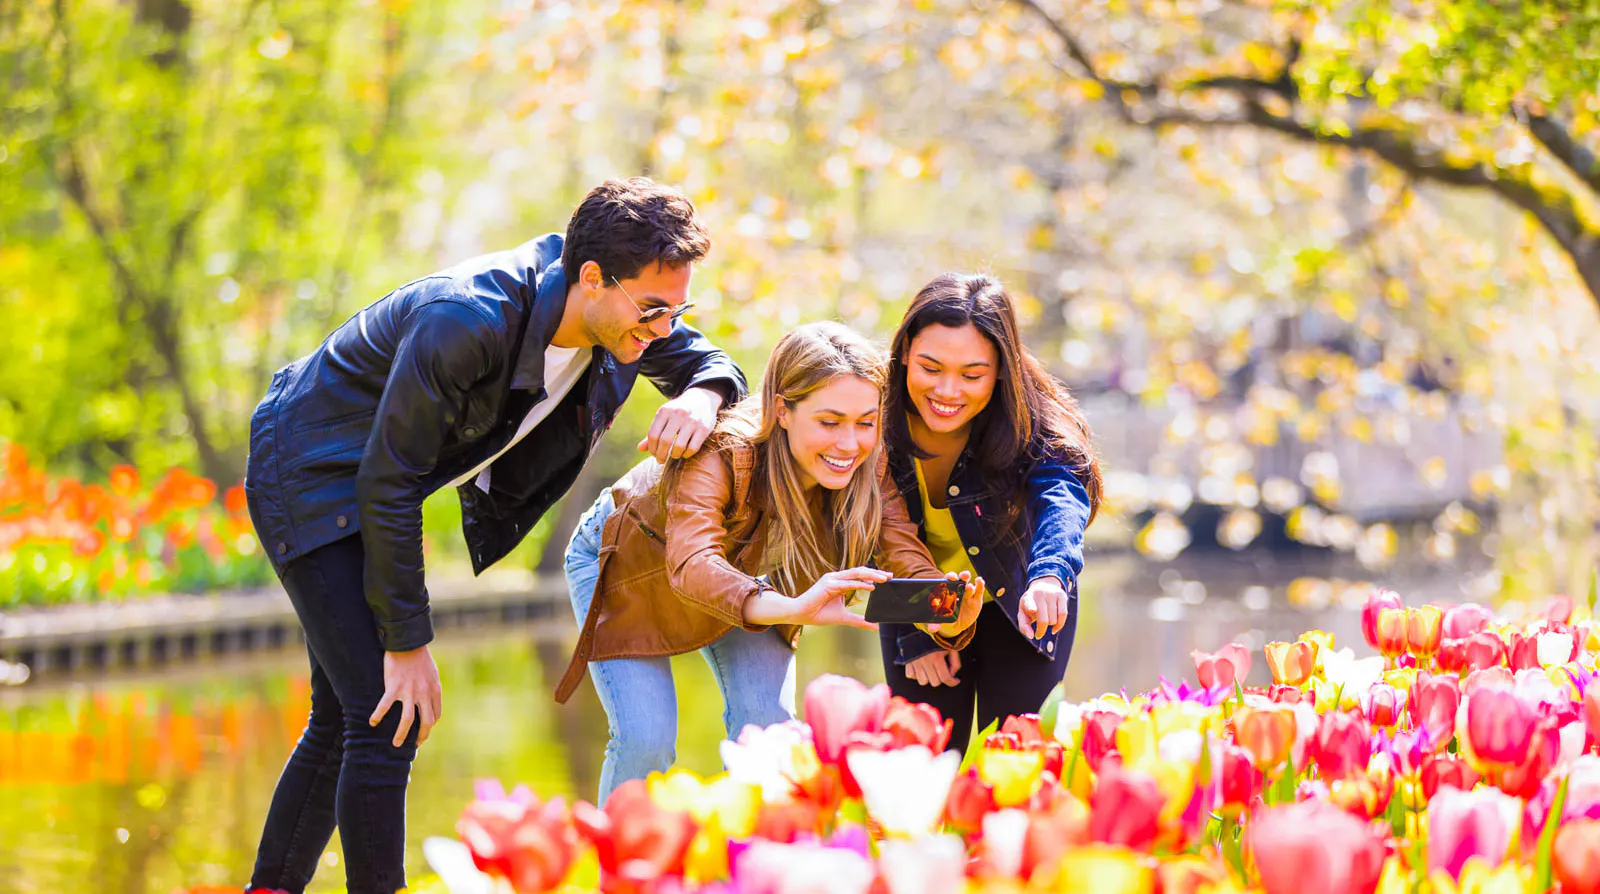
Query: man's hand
{"x": 1044, "y": 606}
{"x": 682, "y": 424}
{"x": 937, "y": 668}
{"x": 411, "y": 679}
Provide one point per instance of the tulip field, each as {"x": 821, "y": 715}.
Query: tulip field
{"x": 1461, "y": 758}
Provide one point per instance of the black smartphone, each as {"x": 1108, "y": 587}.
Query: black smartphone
{"x": 915, "y": 600}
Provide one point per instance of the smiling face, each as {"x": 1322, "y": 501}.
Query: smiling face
{"x": 832, "y": 430}
{"x": 951, "y": 373}
{"x": 611, "y": 320}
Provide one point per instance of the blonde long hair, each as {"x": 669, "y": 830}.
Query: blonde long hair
{"x": 805, "y": 360}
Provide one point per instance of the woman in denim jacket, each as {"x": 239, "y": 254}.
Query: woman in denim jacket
{"x": 994, "y": 460}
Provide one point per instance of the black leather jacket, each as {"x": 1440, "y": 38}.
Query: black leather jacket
{"x": 419, "y": 388}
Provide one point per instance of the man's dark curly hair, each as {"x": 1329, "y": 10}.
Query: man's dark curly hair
{"x": 624, "y": 225}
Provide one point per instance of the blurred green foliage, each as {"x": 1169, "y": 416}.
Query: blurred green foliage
{"x": 1301, "y": 219}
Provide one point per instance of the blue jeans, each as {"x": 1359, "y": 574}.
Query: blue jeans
{"x": 343, "y": 772}
{"x": 755, "y": 672}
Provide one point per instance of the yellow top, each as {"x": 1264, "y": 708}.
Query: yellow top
{"x": 944, "y": 541}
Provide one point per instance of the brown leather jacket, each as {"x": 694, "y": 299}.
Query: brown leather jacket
{"x": 674, "y": 580}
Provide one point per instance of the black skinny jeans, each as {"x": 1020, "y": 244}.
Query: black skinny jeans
{"x": 343, "y": 772}
{"x": 1001, "y": 675}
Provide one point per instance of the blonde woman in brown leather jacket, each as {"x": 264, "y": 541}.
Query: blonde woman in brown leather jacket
{"x": 732, "y": 550}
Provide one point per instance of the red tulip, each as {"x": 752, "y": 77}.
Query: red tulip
{"x": 1341, "y": 746}
{"x": 1291, "y": 695}
{"x": 1313, "y": 847}
{"x": 1446, "y": 770}
{"x": 1463, "y": 825}
{"x": 1484, "y": 649}
{"x": 1364, "y": 795}
{"x": 1500, "y": 725}
{"x": 1061, "y": 825}
{"x": 1523, "y": 652}
{"x": 789, "y": 821}
{"x": 1239, "y": 783}
{"x": 1523, "y": 778}
{"x": 635, "y": 841}
{"x": 1390, "y": 631}
{"x": 1291, "y": 663}
{"x": 1099, "y": 736}
{"x": 1433, "y": 703}
{"x": 1462, "y": 621}
{"x": 1021, "y": 732}
{"x": 1125, "y": 808}
{"x": 970, "y": 800}
{"x": 1224, "y": 667}
{"x": 1377, "y": 601}
{"x": 1382, "y": 704}
{"x": 1267, "y": 733}
{"x": 1452, "y": 656}
{"x": 836, "y": 707}
{"x": 527, "y": 843}
{"x": 913, "y": 723}
{"x": 1576, "y": 858}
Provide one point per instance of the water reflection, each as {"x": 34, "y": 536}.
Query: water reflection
{"x": 147, "y": 785}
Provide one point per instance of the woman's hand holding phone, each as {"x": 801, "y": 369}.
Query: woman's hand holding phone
{"x": 971, "y": 606}
{"x": 823, "y": 603}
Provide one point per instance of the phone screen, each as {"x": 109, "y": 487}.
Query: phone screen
{"x": 910, "y": 600}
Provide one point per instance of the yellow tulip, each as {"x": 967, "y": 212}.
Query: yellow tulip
{"x": 1175, "y": 779}
{"x": 1014, "y": 774}
{"x": 1401, "y": 678}
{"x": 1137, "y": 738}
{"x": 1477, "y": 878}
{"x": 721, "y": 802}
{"x": 1395, "y": 879}
{"x": 1102, "y": 869}
{"x": 1324, "y": 643}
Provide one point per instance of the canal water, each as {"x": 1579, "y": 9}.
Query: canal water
{"x": 154, "y": 783}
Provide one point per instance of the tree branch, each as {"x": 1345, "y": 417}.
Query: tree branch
{"x": 1559, "y": 140}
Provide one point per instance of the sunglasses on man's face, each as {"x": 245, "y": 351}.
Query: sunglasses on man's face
{"x": 650, "y": 315}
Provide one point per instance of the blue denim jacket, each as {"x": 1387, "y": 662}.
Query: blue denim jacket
{"x": 1056, "y": 510}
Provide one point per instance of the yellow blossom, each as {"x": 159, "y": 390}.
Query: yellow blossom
{"x": 1102, "y": 869}
{"x": 1012, "y": 773}
{"x": 1323, "y": 641}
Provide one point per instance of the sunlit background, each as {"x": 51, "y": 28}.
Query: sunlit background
{"x": 1323, "y": 274}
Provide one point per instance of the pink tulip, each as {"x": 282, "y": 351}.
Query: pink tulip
{"x": 1341, "y": 745}
{"x": 1469, "y": 824}
{"x": 1500, "y": 726}
{"x": 1224, "y": 667}
{"x": 1433, "y": 702}
{"x": 1383, "y": 705}
{"x": 1379, "y": 600}
{"x": 1462, "y": 621}
{"x": 1313, "y": 847}
{"x": 838, "y": 707}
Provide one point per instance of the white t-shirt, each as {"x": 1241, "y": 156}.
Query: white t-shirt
{"x": 562, "y": 369}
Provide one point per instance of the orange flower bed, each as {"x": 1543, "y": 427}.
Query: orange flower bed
{"x": 63, "y": 540}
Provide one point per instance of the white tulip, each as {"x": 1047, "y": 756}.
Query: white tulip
{"x": 904, "y": 789}
{"x": 1004, "y": 832}
{"x": 932, "y": 865}
{"x": 765, "y": 757}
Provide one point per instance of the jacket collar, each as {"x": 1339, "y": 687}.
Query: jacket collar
{"x": 544, "y": 317}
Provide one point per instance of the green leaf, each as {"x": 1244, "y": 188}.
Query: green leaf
{"x": 1051, "y": 708}
{"x": 975, "y": 747}
{"x": 1547, "y": 838}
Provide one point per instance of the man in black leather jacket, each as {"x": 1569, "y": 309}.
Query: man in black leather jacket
{"x": 497, "y": 376}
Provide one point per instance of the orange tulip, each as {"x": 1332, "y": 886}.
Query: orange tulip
{"x": 1292, "y": 663}
{"x": 1267, "y": 733}
{"x": 1424, "y": 628}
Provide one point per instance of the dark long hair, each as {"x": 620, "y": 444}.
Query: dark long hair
{"x": 1031, "y": 414}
